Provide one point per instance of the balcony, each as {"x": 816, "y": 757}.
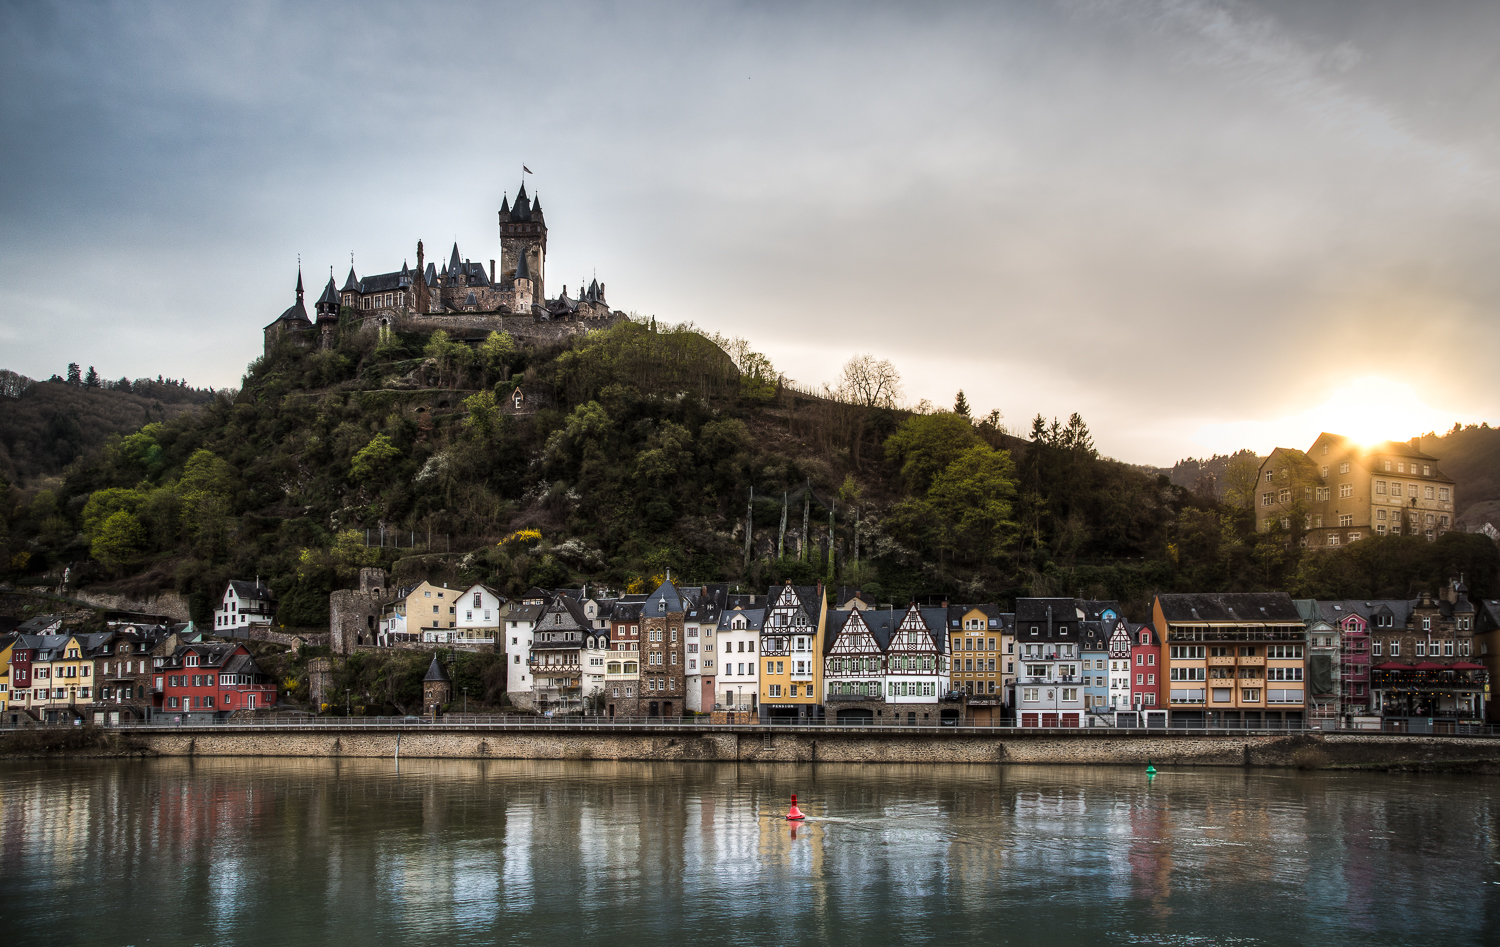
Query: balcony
{"x": 1248, "y": 661}
{"x": 1221, "y": 661}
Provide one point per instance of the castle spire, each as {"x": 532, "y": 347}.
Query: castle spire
{"x": 299, "y": 282}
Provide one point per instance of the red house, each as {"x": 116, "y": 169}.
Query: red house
{"x": 215, "y": 678}
{"x": 1146, "y": 674}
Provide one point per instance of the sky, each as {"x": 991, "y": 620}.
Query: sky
{"x": 1201, "y": 225}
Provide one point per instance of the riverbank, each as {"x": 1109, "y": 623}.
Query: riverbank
{"x": 1401, "y": 752}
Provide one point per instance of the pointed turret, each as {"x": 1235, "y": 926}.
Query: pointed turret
{"x": 404, "y": 277}
{"x": 536, "y": 204}
{"x": 299, "y": 284}
{"x": 430, "y": 276}
{"x": 454, "y": 260}
{"x": 351, "y": 283}
{"x": 522, "y": 210}
{"x": 504, "y": 206}
{"x": 436, "y": 672}
{"x": 297, "y": 312}
{"x": 328, "y": 303}
{"x": 521, "y": 270}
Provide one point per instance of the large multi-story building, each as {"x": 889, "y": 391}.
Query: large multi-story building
{"x": 1233, "y": 659}
{"x": 1340, "y": 492}
{"x": 663, "y": 686}
{"x": 556, "y": 663}
{"x": 977, "y": 638}
{"x": 1424, "y": 675}
{"x": 1049, "y": 683}
{"x": 1148, "y": 671}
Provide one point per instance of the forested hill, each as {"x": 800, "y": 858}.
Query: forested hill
{"x": 44, "y": 426}
{"x": 636, "y": 450}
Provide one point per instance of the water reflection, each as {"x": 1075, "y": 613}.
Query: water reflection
{"x": 292, "y": 852}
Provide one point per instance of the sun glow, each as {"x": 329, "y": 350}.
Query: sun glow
{"x": 1368, "y": 410}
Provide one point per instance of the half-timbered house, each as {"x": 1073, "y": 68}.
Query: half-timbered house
{"x": 791, "y": 653}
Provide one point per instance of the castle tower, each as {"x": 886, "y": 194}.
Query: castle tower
{"x": 523, "y": 232}
{"x": 328, "y": 312}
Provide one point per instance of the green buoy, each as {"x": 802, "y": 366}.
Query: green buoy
{"x": 1150, "y": 770}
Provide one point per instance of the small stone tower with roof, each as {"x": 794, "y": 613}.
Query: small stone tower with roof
{"x": 437, "y": 688}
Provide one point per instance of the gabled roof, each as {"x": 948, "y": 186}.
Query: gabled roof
{"x": 664, "y": 601}
{"x": 754, "y": 618}
{"x": 1040, "y": 609}
{"x": 250, "y": 591}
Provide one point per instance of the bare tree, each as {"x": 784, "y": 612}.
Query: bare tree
{"x": 869, "y": 382}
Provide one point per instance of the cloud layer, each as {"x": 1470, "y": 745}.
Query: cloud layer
{"x": 1178, "y": 218}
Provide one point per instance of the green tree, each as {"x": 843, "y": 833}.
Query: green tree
{"x": 972, "y": 499}
{"x": 961, "y": 405}
{"x": 374, "y": 458}
{"x": 496, "y": 352}
{"x": 926, "y": 444}
{"x": 450, "y": 357}
{"x": 120, "y": 542}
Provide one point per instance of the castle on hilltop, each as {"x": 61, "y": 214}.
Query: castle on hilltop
{"x": 463, "y": 297}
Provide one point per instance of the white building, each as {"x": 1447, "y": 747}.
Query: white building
{"x": 517, "y": 628}
{"x": 737, "y": 637}
{"x": 478, "y": 616}
{"x": 1049, "y": 687}
{"x": 244, "y": 604}
{"x": 1119, "y": 669}
{"x": 596, "y": 654}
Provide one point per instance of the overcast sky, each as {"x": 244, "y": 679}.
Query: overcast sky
{"x": 1188, "y": 221}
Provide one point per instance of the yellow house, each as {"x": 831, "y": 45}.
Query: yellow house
{"x": 7, "y": 645}
{"x": 791, "y": 653}
{"x": 424, "y": 612}
{"x": 62, "y": 673}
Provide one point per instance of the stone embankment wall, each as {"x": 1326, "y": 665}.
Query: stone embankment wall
{"x": 170, "y": 604}
{"x": 742, "y": 745}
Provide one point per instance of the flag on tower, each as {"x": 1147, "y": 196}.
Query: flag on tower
{"x": 526, "y": 169}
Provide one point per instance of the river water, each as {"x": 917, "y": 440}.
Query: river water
{"x": 275, "y": 852}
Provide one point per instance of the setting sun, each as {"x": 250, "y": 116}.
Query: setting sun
{"x": 1368, "y": 410}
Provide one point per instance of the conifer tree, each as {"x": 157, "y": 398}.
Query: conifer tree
{"x": 961, "y": 405}
{"x": 75, "y": 374}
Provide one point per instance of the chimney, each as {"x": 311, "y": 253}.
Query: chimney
{"x": 492, "y": 271}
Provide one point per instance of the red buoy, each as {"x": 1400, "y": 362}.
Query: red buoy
{"x": 795, "y": 815}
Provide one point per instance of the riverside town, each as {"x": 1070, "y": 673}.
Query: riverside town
{"x": 454, "y": 494}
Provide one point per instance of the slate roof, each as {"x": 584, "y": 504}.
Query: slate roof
{"x": 39, "y": 624}
{"x": 1229, "y": 607}
{"x": 625, "y": 611}
{"x": 1036, "y": 610}
{"x": 250, "y": 592}
{"x": 664, "y": 601}
{"x": 436, "y": 672}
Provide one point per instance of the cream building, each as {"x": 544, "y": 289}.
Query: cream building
{"x": 1340, "y": 492}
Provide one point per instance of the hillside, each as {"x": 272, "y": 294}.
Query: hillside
{"x": 635, "y": 450}
{"x": 44, "y": 426}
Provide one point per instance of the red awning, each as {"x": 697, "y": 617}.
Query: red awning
{"x": 1431, "y": 666}
{"x": 1392, "y": 666}
{"x": 1466, "y": 666}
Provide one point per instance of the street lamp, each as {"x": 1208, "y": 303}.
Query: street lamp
{"x": 466, "y": 700}
{"x": 347, "y": 712}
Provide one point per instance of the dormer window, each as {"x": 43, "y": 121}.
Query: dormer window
{"x": 192, "y": 660}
